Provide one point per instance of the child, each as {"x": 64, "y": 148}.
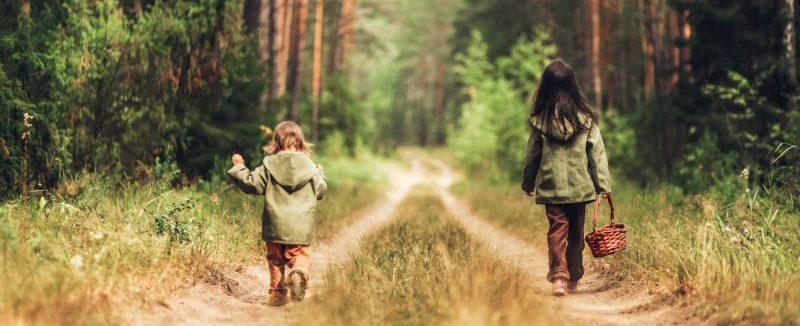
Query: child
{"x": 565, "y": 163}
{"x": 291, "y": 184}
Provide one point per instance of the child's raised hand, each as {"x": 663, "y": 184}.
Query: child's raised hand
{"x": 237, "y": 159}
{"x": 319, "y": 167}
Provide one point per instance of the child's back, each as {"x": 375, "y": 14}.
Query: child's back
{"x": 291, "y": 185}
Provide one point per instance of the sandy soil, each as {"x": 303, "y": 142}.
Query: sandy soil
{"x": 594, "y": 303}
{"x": 240, "y": 298}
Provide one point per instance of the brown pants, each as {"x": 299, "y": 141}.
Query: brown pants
{"x": 565, "y": 241}
{"x": 282, "y": 256}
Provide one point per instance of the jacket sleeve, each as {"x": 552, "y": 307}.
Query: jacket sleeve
{"x": 598, "y": 162}
{"x": 533, "y": 157}
{"x": 251, "y": 182}
{"x": 320, "y": 186}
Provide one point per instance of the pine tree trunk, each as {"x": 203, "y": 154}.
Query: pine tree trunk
{"x": 597, "y": 79}
{"x": 266, "y": 48}
{"x": 316, "y": 80}
{"x": 346, "y": 32}
{"x": 647, "y": 50}
{"x": 789, "y": 41}
{"x": 281, "y": 39}
{"x": 298, "y": 44}
{"x": 251, "y": 15}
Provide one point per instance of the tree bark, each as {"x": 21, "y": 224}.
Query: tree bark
{"x": 266, "y": 48}
{"x": 316, "y": 79}
{"x": 298, "y": 43}
{"x": 597, "y": 79}
{"x": 281, "y": 47}
{"x": 251, "y": 14}
{"x": 789, "y": 41}
{"x": 647, "y": 50}
{"x": 346, "y": 33}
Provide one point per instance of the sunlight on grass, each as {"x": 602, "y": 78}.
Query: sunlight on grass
{"x": 423, "y": 269}
{"x": 82, "y": 254}
{"x": 740, "y": 260}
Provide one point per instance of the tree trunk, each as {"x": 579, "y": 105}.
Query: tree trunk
{"x": 647, "y": 51}
{"x": 266, "y": 48}
{"x": 251, "y": 14}
{"x": 346, "y": 33}
{"x": 597, "y": 79}
{"x": 685, "y": 56}
{"x": 298, "y": 43}
{"x": 789, "y": 41}
{"x": 674, "y": 27}
{"x": 283, "y": 23}
{"x": 316, "y": 79}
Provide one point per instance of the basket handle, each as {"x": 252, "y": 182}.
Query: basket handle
{"x": 597, "y": 209}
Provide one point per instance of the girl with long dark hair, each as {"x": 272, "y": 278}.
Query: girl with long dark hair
{"x": 565, "y": 168}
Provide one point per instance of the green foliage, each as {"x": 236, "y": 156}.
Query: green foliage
{"x": 170, "y": 224}
{"x": 492, "y": 130}
{"x": 750, "y": 133}
{"x": 344, "y": 114}
{"x": 110, "y": 92}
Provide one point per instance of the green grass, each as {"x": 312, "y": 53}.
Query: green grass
{"x": 423, "y": 270}
{"x": 734, "y": 262}
{"x": 94, "y": 247}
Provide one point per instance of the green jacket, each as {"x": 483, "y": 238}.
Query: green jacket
{"x": 564, "y": 166}
{"x": 291, "y": 185}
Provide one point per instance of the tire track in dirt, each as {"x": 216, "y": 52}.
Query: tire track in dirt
{"x": 593, "y": 304}
{"x": 240, "y": 298}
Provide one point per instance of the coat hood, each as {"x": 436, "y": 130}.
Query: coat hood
{"x": 559, "y": 134}
{"x": 292, "y": 170}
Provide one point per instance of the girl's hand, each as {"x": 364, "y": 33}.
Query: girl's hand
{"x": 319, "y": 167}
{"x": 604, "y": 195}
{"x": 237, "y": 159}
{"x": 529, "y": 193}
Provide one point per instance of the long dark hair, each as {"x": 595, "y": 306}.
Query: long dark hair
{"x": 559, "y": 103}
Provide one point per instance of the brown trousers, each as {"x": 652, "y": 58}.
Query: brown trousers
{"x": 282, "y": 256}
{"x": 565, "y": 241}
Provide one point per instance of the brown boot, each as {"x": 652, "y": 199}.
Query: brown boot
{"x": 559, "y": 287}
{"x": 572, "y": 286}
{"x": 298, "y": 282}
{"x": 277, "y": 299}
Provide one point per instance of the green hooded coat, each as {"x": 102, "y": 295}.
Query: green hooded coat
{"x": 291, "y": 185}
{"x": 564, "y": 166}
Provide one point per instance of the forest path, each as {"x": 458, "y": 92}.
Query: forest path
{"x": 593, "y": 304}
{"x": 240, "y": 298}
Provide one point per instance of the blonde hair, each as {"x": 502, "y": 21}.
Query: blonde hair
{"x": 287, "y": 135}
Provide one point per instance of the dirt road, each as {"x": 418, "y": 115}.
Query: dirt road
{"x": 593, "y": 304}
{"x": 239, "y": 298}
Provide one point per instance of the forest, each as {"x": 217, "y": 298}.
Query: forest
{"x": 117, "y": 108}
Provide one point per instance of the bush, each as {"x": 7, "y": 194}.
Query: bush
{"x": 493, "y": 128}
{"x": 110, "y": 91}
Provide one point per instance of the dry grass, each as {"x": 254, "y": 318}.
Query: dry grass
{"x": 423, "y": 270}
{"x": 733, "y": 263}
{"x": 95, "y": 247}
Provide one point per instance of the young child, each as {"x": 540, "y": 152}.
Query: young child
{"x": 565, "y": 163}
{"x": 291, "y": 185}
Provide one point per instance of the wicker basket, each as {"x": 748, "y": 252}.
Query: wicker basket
{"x": 608, "y": 239}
